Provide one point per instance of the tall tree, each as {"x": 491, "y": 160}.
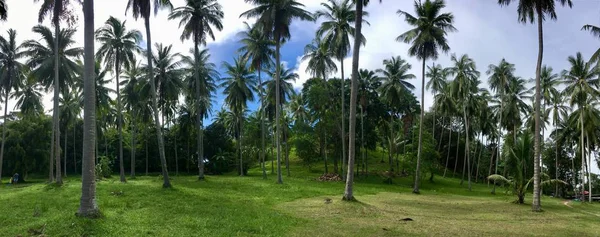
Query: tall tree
{"x": 557, "y": 111}
{"x": 348, "y": 190}
{"x": 257, "y": 48}
{"x": 427, "y": 36}
{"x": 29, "y": 97}
{"x": 118, "y": 48}
{"x": 10, "y": 54}
{"x": 595, "y": 31}
{"x": 275, "y": 18}
{"x": 197, "y": 17}
{"x": 88, "y": 206}
{"x": 238, "y": 88}
{"x": 336, "y": 31}
{"x": 437, "y": 81}
{"x": 529, "y": 11}
{"x": 59, "y": 9}
{"x": 133, "y": 102}
{"x": 141, "y": 8}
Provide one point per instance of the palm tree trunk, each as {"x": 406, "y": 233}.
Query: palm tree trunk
{"x": 343, "y": 118}
{"x": 491, "y": 163}
{"x": 262, "y": 122}
{"x": 536, "y": 205}
{"x": 278, "y": 107}
{"x": 4, "y": 129}
{"x": 418, "y": 173}
{"x": 51, "y": 161}
{"x": 120, "y": 120}
{"x": 348, "y": 192}
{"x": 240, "y": 146}
{"x": 133, "y": 145}
{"x": 581, "y": 145}
{"x": 199, "y": 139}
{"x": 467, "y": 144}
{"x": 56, "y": 105}
{"x": 161, "y": 144}
{"x": 589, "y": 171}
{"x": 146, "y": 143}
{"x": 75, "y": 146}
{"x": 556, "y": 164}
{"x": 176, "y": 157}
{"x": 362, "y": 139}
{"x": 448, "y": 153}
{"x": 287, "y": 156}
{"x": 391, "y": 143}
{"x": 478, "y": 160}
{"x": 88, "y": 206}
{"x": 456, "y": 155}
{"x": 64, "y": 174}
{"x": 441, "y": 135}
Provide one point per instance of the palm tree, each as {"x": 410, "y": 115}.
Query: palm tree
{"x": 118, "y": 48}
{"x": 197, "y": 17}
{"x": 528, "y": 11}
{"x": 275, "y": 18}
{"x": 427, "y": 36}
{"x": 337, "y": 30}
{"x": 581, "y": 80}
{"x": 445, "y": 101}
{"x": 141, "y": 8}
{"x": 167, "y": 76}
{"x": 88, "y": 206}
{"x": 464, "y": 88}
{"x": 42, "y": 59}
{"x": 59, "y": 10}
{"x": 437, "y": 81}
{"x": 558, "y": 110}
{"x": 258, "y": 50}
{"x": 29, "y": 97}
{"x": 133, "y": 102}
{"x": 10, "y": 54}
{"x": 595, "y": 30}
{"x": 238, "y": 90}
{"x": 69, "y": 110}
{"x": 320, "y": 59}
{"x": 208, "y": 74}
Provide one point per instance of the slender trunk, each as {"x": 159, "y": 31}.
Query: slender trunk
{"x": 536, "y": 205}
{"x": 348, "y": 192}
{"x": 4, "y": 127}
{"x": 391, "y": 143}
{"x": 133, "y": 144}
{"x": 456, "y": 155}
{"x": 278, "y": 107}
{"x": 556, "y": 165}
{"x": 343, "y": 118}
{"x": 448, "y": 154}
{"x": 478, "y": 160}
{"x": 581, "y": 145}
{"x": 88, "y": 206}
{"x": 199, "y": 136}
{"x": 441, "y": 135}
{"x": 187, "y": 155}
{"x": 65, "y": 155}
{"x": 51, "y": 161}
{"x": 146, "y": 143}
{"x": 362, "y": 139}
{"x": 323, "y": 155}
{"x": 287, "y": 156}
{"x": 272, "y": 156}
{"x": 325, "y": 152}
{"x": 120, "y": 120}
{"x": 467, "y": 144}
{"x": 262, "y": 121}
{"x": 74, "y": 147}
{"x": 498, "y": 148}
{"x": 176, "y": 157}
{"x": 56, "y": 106}
{"x": 491, "y": 163}
{"x": 589, "y": 171}
{"x": 161, "y": 144}
{"x": 239, "y": 143}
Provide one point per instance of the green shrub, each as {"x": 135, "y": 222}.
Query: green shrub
{"x": 103, "y": 168}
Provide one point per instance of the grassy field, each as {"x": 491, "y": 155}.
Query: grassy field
{"x": 251, "y": 206}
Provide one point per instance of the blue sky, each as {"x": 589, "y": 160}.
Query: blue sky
{"x": 486, "y": 32}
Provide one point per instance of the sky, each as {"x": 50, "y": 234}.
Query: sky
{"x": 486, "y": 32}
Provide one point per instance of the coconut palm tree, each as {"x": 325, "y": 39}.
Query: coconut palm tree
{"x": 557, "y": 111}
{"x": 70, "y": 107}
{"x": 437, "y": 81}
{"x": 427, "y": 36}
{"x": 320, "y": 59}
{"x": 258, "y": 49}
{"x": 581, "y": 80}
{"x": 141, "y": 8}
{"x": 464, "y": 87}
{"x": 167, "y": 77}
{"x": 133, "y": 101}
{"x": 59, "y": 9}
{"x": 48, "y": 67}
{"x": 595, "y": 31}
{"x": 118, "y": 47}
{"x": 275, "y": 18}
{"x": 446, "y": 103}
{"x": 3, "y": 10}
{"x": 238, "y": 88}
{"x": 208, "y": 75}
{"x": 10, "y": 54}
{"x": 29, "y": 96}
{"x": 530, "y": 10}
{"x": 336, "y": 31}
{"x": 88, "y": 206}
{"x": 197, "y": 18}
{"x": 286, "y": 79}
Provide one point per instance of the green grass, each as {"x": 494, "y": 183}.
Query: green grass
{"x": 251, "y": 206}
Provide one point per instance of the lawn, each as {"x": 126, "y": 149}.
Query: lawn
{"x": 250, "y": 206}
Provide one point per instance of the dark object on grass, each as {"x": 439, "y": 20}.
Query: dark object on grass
{"x": 330, "y": 177}
{"x": 328, "y": 200}
{"x": 407, "y": 219}
{"x": 386, "y": 229}
{"x": 37, "y": 231}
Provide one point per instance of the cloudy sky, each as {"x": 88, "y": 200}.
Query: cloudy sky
{"x": 486, "y": 32}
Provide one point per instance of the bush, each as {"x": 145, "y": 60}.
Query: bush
{"x": 305, "y": 148}
{"x": 104, "y": 167}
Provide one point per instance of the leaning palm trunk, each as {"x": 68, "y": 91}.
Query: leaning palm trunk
{"x": 120, "y": 122}
{"x": 161, "y": 144}
{"x": 348, "y": 192}
{"x": 4, "y": 129}
{"x": 448, "y": 153}
{"x": 56, "y": 105}
{"x": 419, "y": 152}
{"x": 536, "y": 205}
{"x": 88, "y": 206}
